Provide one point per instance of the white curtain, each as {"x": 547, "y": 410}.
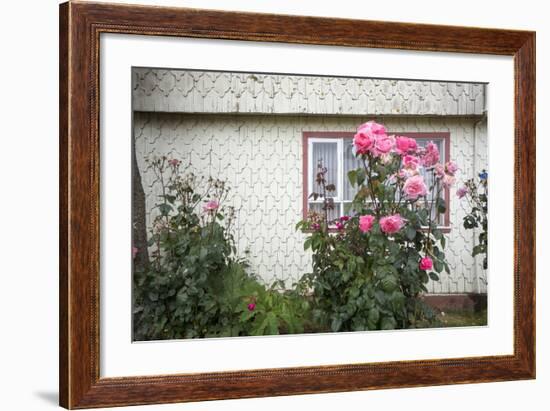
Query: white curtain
{"x": 327, "y": 154}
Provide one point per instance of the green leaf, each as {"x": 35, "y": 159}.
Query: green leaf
{"x": 360, "y": 175}
{"x": 165, "y": 209}
{"x": 441, "y": 206}
{"x": 352, "y": 177}
{"x": 272, "y": 324}
{"x": 389, "y": 283}
{"x": 246, "y": 315}
{"x": 434, "y": 276}
{"x": 336, "y": 324}
{"x": 388, "y": 323}
{"x": 380, "y": 297}
{"x": 470, "y": 222}
{"x": 260, "y": 326}
{"x": 203, "y": 253}
{"x": 181, "y": 297}
{"x": 410, "y": 233}
{"x": 478, "y": 249}
{"x": 373, "y": 317}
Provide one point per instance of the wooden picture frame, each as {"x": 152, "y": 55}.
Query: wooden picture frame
{"x": 80, "y": 27}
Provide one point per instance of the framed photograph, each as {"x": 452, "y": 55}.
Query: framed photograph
{"x": 259, "y": 205}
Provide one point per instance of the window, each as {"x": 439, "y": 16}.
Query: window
{"x": 334, "y": 149}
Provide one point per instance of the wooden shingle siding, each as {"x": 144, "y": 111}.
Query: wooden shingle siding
{"x": 187, "y": 91}
{"x": 260, "y": 157}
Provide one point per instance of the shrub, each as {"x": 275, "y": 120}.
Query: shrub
{"x": 476, "y": 194}
{"x": 370, "y": 268}
{"x": 195, "y": 285}
{"x": 191, "y": 251}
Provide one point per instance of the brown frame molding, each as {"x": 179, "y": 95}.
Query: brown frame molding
{"x": 80, "y": 27}
{"x": 306, "y": 135}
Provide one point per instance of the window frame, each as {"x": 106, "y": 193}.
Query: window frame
{"x": 339, "y": 193}
{"x": 338, "y": 137}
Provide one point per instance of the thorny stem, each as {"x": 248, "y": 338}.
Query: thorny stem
{"x": 321, "y": 172}
{"x": 368, "y": 171}
{"x": 436, "y": 185}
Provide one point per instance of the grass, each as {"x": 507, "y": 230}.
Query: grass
{"x": 461, "y": 319}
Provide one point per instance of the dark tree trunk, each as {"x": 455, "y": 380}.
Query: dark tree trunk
{"x": 139, "y": 229}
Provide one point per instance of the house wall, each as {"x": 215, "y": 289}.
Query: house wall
{"x": 260, "y": 156}
{"x": 246, "y": 128}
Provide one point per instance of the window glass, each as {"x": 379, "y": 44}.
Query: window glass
{"x": 327, "y": 154}
{"x": 338, "y": 158}
{"x": 350, "y": 163}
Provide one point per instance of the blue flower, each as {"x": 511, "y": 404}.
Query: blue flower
{"x": 483, "y": 175}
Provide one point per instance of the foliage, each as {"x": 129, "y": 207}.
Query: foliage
{"x": 476, "y": 193}
{"x": 195, "y": 285}
{"x": 370, "y": 268}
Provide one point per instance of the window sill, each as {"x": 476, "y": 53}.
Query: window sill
{"x": 444, "y": 230}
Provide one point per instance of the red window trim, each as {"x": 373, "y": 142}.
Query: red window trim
{"x": 306, "y": 135}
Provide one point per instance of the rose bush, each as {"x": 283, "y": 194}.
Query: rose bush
{"x": 476, "y": 194}
{"x": 370, "y": 269}
{"x": 195, "y": 285}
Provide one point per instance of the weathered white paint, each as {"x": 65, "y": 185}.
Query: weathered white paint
{"x": 261, "y": 158}
{"x": 221, "y": 92}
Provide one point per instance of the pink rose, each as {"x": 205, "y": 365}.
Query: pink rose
{"x": 431, "y": 156}
{"x": 383, "y": 145}
{"x": 451, "y": 168}
{"x": 439, "y": 170}
{"x": 366, "y": 135}
{"x": 411, "y": 162}
{"x": 251, "y": 307}
{"x": 415, "y": 187}
{"x": 391, "y": 224}
{"x": 363, "y": 143}
{"x": 404, "y": 145}
{"x": 426, "y": 263}
{"x": 405, "y": 173}
{"x": 461, "y": 192}
{"x": 365, "y": 223}
{"x": 344, "y": 218}
{"x": 448, "y": 180}
{"x": 211, "y": 206}
{"x": 339, "y": 225}
{"x": 372, "y": 129}
{"x": 134, "y": 252}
